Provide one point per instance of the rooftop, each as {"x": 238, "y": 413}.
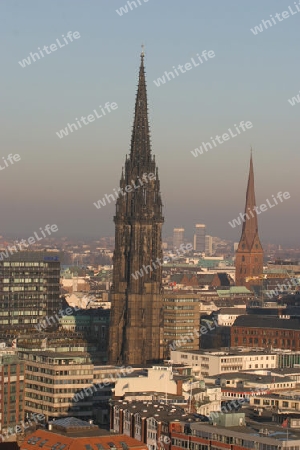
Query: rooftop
{"x": 256, "y": 321}
{"x": 82, "y": 440}
{"x": 158, "y": 410}
{"x": 234, "y": 290}
{"x": 267, "y": 434}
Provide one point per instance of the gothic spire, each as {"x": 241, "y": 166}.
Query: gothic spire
{"x": 140, "y": 141}
{"x": 136, "y": 293}
{"x": 250, "y": 225}
{"x": 249, "y": 255}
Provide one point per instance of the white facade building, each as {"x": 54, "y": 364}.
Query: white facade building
{"x": 213, "y": 363}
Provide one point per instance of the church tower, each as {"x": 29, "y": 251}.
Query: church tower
{"x": 249, "y": 254}
{"x": 136, "y": 327}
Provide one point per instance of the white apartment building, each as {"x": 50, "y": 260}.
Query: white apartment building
{"x": 209, "y": 363}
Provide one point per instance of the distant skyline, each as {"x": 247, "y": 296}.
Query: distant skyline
{"x": 250, "y": 79}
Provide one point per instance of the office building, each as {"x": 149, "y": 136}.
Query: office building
{"x": 181, "y": 321}
{"x": 55, "y": 382}
{"x": 29, "y": 290}
{"x": 178, "y": 237}
{"x": 266, "y": 332}
{"x": 11, "y": 390}
{"x": 199, "y": 238}
{"x": 210, "y": 363}
{"x": 208, "y": 245}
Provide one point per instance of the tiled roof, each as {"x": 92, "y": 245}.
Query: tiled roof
{"x": 205, "y": 278}
{"x": 46, "y": 440}
{"x": 256, "y": 321}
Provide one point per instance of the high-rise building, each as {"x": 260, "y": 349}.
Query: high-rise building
{"x": 181, "y": 320}
{"x": 208, "y": 245}
{"x": 67, "y": 374}
{"x": 136, "y": 299}
{"x": 29, "y": 290}
{"x": 199, "y": 237}
{"x": 11, "y": 390}
{"x": 178, "y": 237}
{"x": 249, "y": 255}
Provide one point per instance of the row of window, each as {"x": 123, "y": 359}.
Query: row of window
{"x": 24, "y": 264}
{"x": 276, "y": 342}
{"x": 176, "y": 320}
{"x": 263, "y": 332}
{"x": 180, "y": 307}
{"x": 181, "y": 300}
{"x": 55, "y": 381}
{"x": 59, "y": 372}
{"x": 55, "y": 409}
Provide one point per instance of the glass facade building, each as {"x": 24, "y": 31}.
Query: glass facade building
{"x": 29, "y": 290}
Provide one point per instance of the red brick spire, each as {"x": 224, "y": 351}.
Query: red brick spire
{"x": 249, "y": 255}
{"x": 250, "y": 225}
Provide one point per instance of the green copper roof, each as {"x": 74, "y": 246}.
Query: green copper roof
{"x": 234, "y": 290}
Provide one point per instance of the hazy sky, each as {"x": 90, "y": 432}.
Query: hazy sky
{"x": 250, "y": 78}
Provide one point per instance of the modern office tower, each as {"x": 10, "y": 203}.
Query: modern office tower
{"x": 29, "y": 290}
{"x": 178, "y": 237}
{"x": 54, "y": 384}
{"x": 199, "y": 237}
{"x": 249, "y": 255}
{"x": 11, "y": 390}
{"x": 181, "y": 322}
{"x": 136, "y": 300}
{"x": 208, "y": 245}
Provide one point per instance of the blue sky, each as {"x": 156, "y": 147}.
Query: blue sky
{"x": 251, "y": 78}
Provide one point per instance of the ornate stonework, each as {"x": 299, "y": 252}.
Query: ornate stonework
{"x": 136, "y": 329}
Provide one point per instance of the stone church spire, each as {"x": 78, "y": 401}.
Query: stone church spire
{"x": 136, "y": 295}
{"x": 249, "y": 255}
{"x": 140, "y": 141}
